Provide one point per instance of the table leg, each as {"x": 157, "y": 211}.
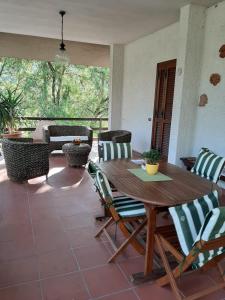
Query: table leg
{"x": 149, "y": 274}
{"x": 151, "y": 215}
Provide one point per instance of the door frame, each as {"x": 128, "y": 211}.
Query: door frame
{"x": 160, "y": 65}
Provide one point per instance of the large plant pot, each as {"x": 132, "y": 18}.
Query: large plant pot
{"x": 13, "y": 135}
{"x": 152, "y": 169}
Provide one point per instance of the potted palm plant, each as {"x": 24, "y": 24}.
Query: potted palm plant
{"x": 10, "y": 112}
{"x": 152, "y": 158}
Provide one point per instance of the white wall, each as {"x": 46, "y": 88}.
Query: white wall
{"x": 140, "y": 62}
{"x": 189, "y": 46}
{"x": 210, "y": 121}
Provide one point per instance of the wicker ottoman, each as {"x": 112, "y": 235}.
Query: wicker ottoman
{"x": 76, "y": 155}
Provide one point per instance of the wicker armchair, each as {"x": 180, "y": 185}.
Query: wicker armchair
{"x": 116, "y": 136}
{"x": 25, "y": 160}
{"x": 64, "y": 131}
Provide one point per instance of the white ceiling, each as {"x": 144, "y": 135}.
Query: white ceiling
{"x": 93, "y": 21}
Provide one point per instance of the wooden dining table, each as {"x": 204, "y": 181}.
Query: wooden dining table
{"x": 183, "y": 188}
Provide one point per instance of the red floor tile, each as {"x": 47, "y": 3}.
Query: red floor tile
{"x": 18, "y": 271}
{"x": 90, "y": 257}
{"x": 41, "y": 214}
{"x": 132, "y": 265}
{"x": 64, "y": 288}
{"x": 82, "y": 237}
{"x": 46, "y": 242}
{"x": 18, "y": 249}
{"x": 56, "y": 263}
{"x": 105, "y": 280}
{"x": 127, "y": 295}
{"x": 78, "y": 220}
{"x": 197, "y": 281}
{"x": 153, "y": 291}
{"x": 23, "y": 292}
{"x": 10, "y": 232}
{"x": 50, "y": 226}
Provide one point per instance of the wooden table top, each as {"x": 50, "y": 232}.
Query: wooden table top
{"x": 184, "y": 187}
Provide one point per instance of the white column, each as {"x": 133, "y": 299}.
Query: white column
{"x": 191, "y": 35}
{"x": 116, "y": 86}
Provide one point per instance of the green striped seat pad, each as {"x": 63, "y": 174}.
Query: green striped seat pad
{"x": 124, "y": 206}
{"x": 189, "y": 220}
{"x": 113, "y": 150}
{"x": 208, "y": 165}
{"x": 128, "y": 207}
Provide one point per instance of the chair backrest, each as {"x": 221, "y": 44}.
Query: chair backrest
{"x": 119, "y": 136}
{"x": 208, "y": 165}
{"x": 68, "y": 130}
{"x": 103, "y": 186}
{"x": 92, "y": 168}
{"x": 189, "y": 219}
{"x": 116, "y": 150}
{"x": 214, "y": 225}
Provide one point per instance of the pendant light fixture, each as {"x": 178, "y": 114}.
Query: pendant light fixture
{"x": 61, "y": 56}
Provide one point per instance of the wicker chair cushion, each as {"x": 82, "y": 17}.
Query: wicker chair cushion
{"x": 68, "y": 138}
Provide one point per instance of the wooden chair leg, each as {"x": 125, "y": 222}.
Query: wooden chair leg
{"x": 103, "y": 227}
{"x": 167, "y": 268}
{"x": 127, "y": 241}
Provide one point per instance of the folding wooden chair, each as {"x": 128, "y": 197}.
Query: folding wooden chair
{"x": 200, "y": 227}
{"x": 127, "y": 213}
{"x": 208, "y": 165}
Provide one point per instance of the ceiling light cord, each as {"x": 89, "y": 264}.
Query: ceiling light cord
{"x": 62, "y": 45}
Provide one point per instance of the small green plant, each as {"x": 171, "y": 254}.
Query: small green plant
{"x": 10, "y": 109}
{"x": 151, "y": 157}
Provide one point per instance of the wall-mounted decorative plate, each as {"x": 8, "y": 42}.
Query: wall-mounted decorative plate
{"x": 215, "y": 79}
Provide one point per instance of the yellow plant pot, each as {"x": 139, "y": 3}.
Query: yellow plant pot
{"x": 152, "y": 169}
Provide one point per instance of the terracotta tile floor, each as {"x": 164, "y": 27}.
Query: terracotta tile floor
{"x": 48, "y": 250}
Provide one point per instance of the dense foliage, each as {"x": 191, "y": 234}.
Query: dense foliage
{"x": 51, "y": 90}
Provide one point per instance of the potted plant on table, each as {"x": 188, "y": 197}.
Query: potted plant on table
{"x": 10, "y": 112}
{"x": 152, "y": 158}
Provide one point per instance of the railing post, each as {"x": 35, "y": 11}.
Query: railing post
{"x": 100, "y": 125}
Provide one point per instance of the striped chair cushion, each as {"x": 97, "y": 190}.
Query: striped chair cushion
{"x": 189, "y": 220}
{"x": 208, "y": 165}
{"x": 92, "y": 168}
{"x": 128, "y": 207}
{"x": 116, "y": 150}
{"x": 125, "y": 206}
{"x": 103, "y": 185}
{"x": 213, "y": 228}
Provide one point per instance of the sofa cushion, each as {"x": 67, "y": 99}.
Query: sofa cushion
{"x": 68, "y": 138}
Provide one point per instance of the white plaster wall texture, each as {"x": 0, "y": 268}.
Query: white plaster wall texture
{"x": 190, "y": 42}
{"x": 210, "y": 120}
{"x": 140, "y": 62}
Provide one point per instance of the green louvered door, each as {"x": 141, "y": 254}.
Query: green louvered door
{"x": 164, "y": 91}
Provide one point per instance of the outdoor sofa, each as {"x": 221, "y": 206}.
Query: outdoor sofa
{"x": 58, "y": 135}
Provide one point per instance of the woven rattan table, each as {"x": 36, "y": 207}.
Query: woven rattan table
{"x": 76, "y": 155}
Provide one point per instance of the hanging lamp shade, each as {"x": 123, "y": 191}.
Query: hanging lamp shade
{"x": 61, "y": 56}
